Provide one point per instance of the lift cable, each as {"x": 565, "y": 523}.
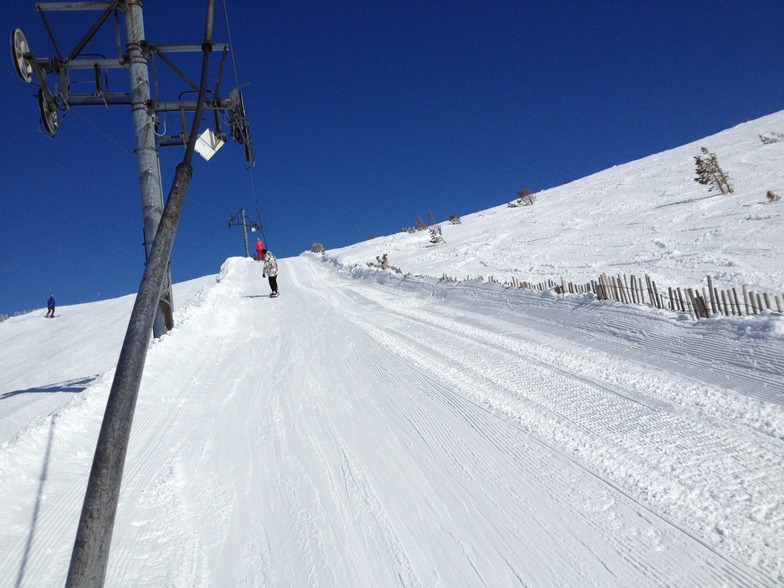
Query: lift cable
{"x": 237, "y": 85}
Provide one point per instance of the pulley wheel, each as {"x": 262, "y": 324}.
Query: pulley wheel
{"x": 48, "y": 114}
{"x": 19, "y": 48}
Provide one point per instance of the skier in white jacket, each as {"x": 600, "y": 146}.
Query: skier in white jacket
{"x": 270, "y": 269}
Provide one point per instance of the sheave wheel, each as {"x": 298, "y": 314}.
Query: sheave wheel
{"x": 19, "y": 48}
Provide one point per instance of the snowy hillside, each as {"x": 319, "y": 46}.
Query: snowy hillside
{"x": 373, "y": 429}
{"x": 647, "y": 216}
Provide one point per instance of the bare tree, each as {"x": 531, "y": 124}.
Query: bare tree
{"x": 710, "y": 174}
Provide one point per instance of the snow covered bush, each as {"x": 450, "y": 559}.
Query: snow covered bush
{"x": 773, "y": 197}
{"x": 435, "y": 235}
{"x": 317, "y": 248}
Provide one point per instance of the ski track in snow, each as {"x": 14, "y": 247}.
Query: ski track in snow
{"x": 605, "y": 428}
{"x": 386, "y": 431}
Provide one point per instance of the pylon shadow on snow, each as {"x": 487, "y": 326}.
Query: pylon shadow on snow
{"x": 37, "y": 508}
{"x": 77, "y": 385}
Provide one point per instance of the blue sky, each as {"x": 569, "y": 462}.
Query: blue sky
{"x": 365, "y": 114}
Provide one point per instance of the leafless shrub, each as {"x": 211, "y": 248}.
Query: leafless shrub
{"x": 771, "y": 138}
{"x": 773, "y": 197}
{"x": 382, "y": 262}
{"x": 526, "y": 197}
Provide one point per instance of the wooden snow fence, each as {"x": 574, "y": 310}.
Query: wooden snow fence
{"x": 699, "y": 303}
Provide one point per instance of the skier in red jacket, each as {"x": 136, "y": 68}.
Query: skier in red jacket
{"x": 259, "y": 249}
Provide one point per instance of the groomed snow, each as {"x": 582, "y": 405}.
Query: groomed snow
{"x": 369, "y": 428}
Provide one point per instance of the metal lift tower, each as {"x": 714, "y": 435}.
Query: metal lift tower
{"x": 144, "y": 106}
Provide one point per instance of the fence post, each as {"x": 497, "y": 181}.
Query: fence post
{"x": 737, "y": 301}
{"x": 626, "y": 291}
{"x": 704, "y": 311}
{"x": 733, "y": 298}
{"x": 699, "y": 304}
{"x": 690, "y": 302}
{"x": 714, "y": 302}
{"x": 654, "y": 294}
{"x": 640, "y": 291}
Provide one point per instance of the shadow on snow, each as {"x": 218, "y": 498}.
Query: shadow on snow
{"x": 77, "y": 385}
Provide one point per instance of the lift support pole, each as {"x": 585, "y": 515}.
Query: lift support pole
{"x": 90, "y": 554}
{"x": 147, "y": 153}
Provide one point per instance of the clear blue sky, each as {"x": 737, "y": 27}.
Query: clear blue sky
{"x": 365, "y": 114}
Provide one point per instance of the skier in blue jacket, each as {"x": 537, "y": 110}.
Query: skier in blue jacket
{"x": 50, "y": 307}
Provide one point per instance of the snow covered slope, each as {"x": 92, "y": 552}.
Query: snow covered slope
{"x": 369, "y": 430}
{"x": 647, "y": 216}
